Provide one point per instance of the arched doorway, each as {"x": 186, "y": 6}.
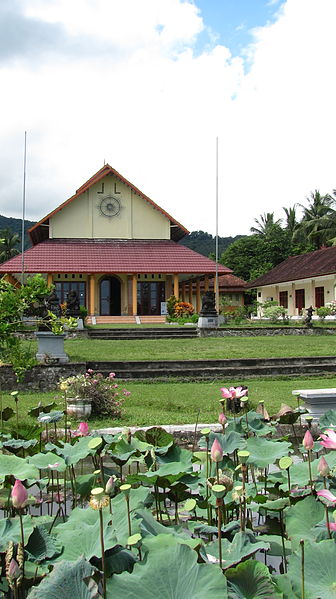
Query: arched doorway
{"x": 110, "y": 303}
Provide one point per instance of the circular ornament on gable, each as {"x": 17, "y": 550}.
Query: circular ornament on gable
{"x": 109, "y": 206}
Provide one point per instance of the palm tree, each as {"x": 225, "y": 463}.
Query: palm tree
{"x": 291, "y": 222}
{"x": 318, "y": 224}
{"x": 8, "y": 241}
{"x": 265, "y": 224}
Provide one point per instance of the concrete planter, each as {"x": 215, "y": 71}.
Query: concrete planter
{"x": 51, "y": 348}
{"x": 79, "y": 408}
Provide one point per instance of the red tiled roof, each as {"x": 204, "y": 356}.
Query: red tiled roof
{"x": 40, "y": 231}
{"x": 229, "y": 283}
{"x": 314, "y": 264}
{"x": 111, "y": 256}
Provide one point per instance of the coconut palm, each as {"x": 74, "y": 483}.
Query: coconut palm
{"x": 8, "y": 241}
{"x": 318, "y": 224}
{"x": 291, "y": 221}
{"x": 265, "y": 224}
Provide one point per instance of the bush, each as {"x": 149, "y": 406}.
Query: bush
{"x": 171, "y": 303}
{"x": 274, "y": 313}
{"x": 183, "y": 309}
{"x": 323, "y": 312}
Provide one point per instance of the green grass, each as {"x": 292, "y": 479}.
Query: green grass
{"x": 200, "y": 348}
{"x": 177, "y": 403}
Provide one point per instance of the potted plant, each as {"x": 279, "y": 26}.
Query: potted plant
{"x": 94, "y": 393}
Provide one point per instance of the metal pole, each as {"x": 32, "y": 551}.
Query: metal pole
{"x": 216, "y": 280}
{"x": 23, "y": 207}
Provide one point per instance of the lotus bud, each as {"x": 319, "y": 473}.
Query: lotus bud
{"x": 14, "y": 571}
{"x": 216, "y": 451}
{"x": 237, "y": 493}
{"x": 308, "y": 441}
{"x": 83, "y": 428}
{"x": 222, "y": 419}
{"x": 19, "y": 495}
{"x": 323, "y": 467}
{"x": 110, "y": 485}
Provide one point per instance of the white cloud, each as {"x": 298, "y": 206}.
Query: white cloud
{"x": 121, "y": 82}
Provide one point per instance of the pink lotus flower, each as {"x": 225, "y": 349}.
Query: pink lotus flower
{"x": 329, "y": 439}
{"x": 111, "y": 375}
{"x": 19, "y": 495}
{"x": 322, "y": 467}
{"x": 53, "y": 466}
{"x": 14, "y": 571}
{"x": 222, "y": 419}
{"x": 110, "y": 485}
{"x": 216, "y": 451}
{"x": 226, "y": 393}
{"x": 332, "y": 526}
{"x": 237, "y": 392}
{"x": 327, "y": 495}
{"x": 308, "y": 441}
{"x": 83, "y": 428}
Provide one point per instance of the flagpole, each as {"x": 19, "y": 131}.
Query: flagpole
{"x": 23, "y": 207}
{"x": 216, "y": 279}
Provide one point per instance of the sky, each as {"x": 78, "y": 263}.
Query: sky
{"x": 149, "y": 85}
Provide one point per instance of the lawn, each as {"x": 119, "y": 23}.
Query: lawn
{"x": 175, "y": 402}
{"x": 200, "y": 348}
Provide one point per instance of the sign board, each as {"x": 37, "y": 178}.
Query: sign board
{"x": 164, "y": 310}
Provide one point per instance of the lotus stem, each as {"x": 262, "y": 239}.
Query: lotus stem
{"x": 195, "y": 433}
{"x": 327, "y": 520}
{"x": 283, "y": 541}
{"x": 219, "y": 503}
{"x": 65, "y": 417}
{"x": 310, "y": 472}
{"x": 102, "y": 549}
{"x": 217, "y": 473}
{"x": 128, "y": 516}
{"x": 17, "y": 416}
{"x": 302, "y": 570}
{"x": 289, "y": 482}
{"x": 22, "y": 542}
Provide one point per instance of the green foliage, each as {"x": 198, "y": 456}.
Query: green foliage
{"x": 322, "y": 312}
{"x": 171, "y": 303}
{"x": 274, "y": 313}
{"x": 204, "y": 243}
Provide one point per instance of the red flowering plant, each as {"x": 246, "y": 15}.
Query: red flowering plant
{"x": 183, "y": 309}
{"x": 106, "y": 397}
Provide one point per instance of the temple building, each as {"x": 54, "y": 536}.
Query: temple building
{"x": 118, "y": 249}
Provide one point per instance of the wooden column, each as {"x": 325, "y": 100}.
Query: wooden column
{"x": 198, "y": 296}
{"x": 183, "y": 291}
{"x": 206, "y": 283}
{"x": 169, "y": 286}
{"x": 135, "y": 294}
{"x": 176, "y": 286}
{"x": 49, "y": 279}
{"x": 312, "y": 303}
{"x": 91, "y": 295}
{"x": 190, "y": 293}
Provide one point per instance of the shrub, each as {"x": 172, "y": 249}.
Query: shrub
{"x": 171, "y": 303}
{"x": 183, "y": 308}
{"x": 323, "y": 312}
{"x": 274, "y": 313}
{"x": 103, "y": 392}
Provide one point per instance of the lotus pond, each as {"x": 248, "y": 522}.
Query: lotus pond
{"x": 243, "y": 515}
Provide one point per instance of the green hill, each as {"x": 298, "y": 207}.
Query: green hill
{"x": 15, "y": 225}
{"x": 205, "y": 244}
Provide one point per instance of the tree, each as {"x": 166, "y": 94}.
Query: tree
{"x": 265, "y": 224}
{"x": 8, "y": 243}
{"x": 291, "y": 221}
{"x": 318, "y": 224}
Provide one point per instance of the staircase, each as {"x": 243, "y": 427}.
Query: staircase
{"x": 92, "y": 320}
{"x": 169, "y": 332}
{"x": 227, "y": 370}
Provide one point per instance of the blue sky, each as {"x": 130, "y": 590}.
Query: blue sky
{"x": 231, "y": 21}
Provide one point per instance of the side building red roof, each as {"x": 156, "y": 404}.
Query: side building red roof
{"x": 318, "y": 263}
{"x": 114, "y": 256}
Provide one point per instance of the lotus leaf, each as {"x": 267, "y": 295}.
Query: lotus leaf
{"x": 319, "y": 566}
{"x": 36, "y": 411}
{"x": 171, "y": 571}
{"x": 41, "y": 545}
{"x": 51, "y": 417}
{"x": 301, "y": 518}
{"x": 250, "y": 580}
{"x": 264, "y": 452}
{"x": 10, "y": 530}
{"x": 43, "y": 461}
{"x": 328, "y": 420}
{"x": 11, "y": 465}
{"x": 243, "y": 545}
{"x": 68, "y": 579}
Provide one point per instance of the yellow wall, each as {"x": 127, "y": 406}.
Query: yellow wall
{"x": 328, "y": 282}
{"x": 82, "y": 218}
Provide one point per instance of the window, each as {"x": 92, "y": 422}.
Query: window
{"x": 283, "y": 299}
{"x": 62, "y": 289}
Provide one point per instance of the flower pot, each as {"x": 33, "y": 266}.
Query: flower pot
{"x": 79, "y": 408}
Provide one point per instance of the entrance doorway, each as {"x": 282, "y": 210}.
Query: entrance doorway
{"x": 110, "y": 304}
